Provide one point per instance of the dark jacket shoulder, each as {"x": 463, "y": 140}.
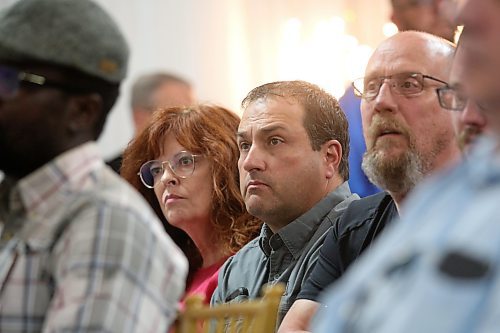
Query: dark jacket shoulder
{"x": 362, "y": 211}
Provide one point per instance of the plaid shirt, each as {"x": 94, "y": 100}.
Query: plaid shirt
{"x": 81, "y": 251}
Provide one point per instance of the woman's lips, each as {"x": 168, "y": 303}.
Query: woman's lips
{"x": 171, "y": 198}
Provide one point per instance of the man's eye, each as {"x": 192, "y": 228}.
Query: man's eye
{"x": 409, "y": 84}
{"x": 371, "y": 87}
{"x": 244, "y": 146}
{"x": 275, "y": 141}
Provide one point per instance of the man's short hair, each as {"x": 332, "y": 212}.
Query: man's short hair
{"x": 323, "y": 118}
{"x": 146, "y": 84}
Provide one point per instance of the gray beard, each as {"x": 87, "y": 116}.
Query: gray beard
{"x": 397, "y": 175}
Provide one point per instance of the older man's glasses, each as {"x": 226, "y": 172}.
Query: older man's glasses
{"x": 182, "y": 165}
{"x": 11, "y": 79}
{"x": 405, "y": 84}
{"x": 454, "y": 99}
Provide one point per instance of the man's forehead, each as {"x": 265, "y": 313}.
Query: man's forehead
{"x": 383, "y": 66}
{"x": 271, "y": 104}
{"x": 405, "y": 54}
{"x": 270, "y": 109}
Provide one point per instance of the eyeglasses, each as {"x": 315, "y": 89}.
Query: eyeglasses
{"x": 451, "y": 98}
{"x": 405, "y": 84}
{"x": 181, "y": 165}
{"x": 11, "y": 79}
{"x": 454, "y": 99}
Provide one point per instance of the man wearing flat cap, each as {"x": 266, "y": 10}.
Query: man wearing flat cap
{"x": 80, "y": 250}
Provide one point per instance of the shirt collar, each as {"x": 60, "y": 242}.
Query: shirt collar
{"x": 44, "y": 193}
{"x": 297, "y": 233}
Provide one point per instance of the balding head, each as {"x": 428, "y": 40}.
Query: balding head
{"x": 414, "y": 51}
{"x": 408, "y": 134}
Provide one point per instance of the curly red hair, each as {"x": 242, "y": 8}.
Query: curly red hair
{"x": 208, "y": 130}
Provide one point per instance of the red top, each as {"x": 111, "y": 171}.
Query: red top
{"x": 204, "y": 282}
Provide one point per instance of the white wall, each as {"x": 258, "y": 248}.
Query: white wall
{"x": 227, "y": 47}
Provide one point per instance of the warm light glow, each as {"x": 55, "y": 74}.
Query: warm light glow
{"x": 291, "y": 30}
{"x": 325, "y": 55}
{"x": 389, "y": 29}
{"x": 460, "y": 28}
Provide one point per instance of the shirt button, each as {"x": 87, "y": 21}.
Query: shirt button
{"x": 276, "y": 277}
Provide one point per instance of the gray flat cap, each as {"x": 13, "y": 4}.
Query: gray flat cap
{"x": 74, "y": 33}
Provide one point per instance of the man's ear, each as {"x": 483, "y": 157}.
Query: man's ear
{"x": 332, "y": 150}
{"x": 85, "y": 112}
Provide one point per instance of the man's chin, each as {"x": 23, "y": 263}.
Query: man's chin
{"x": 388, "y": 152}
{"x": 254, "y": 204}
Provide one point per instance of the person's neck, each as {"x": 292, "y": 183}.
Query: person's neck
{"x": 210, "y": 254}
{"x": 398, "y": 199}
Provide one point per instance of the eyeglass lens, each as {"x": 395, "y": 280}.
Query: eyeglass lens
{"x": 403, "y": 84}
{"x": 9, "y": 81}
{"x": 182, "y": 165}
{"x": 452, "y": 99}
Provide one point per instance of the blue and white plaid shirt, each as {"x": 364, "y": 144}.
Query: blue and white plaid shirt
{"x": 82, "y": 251}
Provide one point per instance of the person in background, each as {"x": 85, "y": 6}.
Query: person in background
{"x": 293, "y": 143}
{"x": 423, "y": 15}
{"x": 409, "y": 136}
{"x": 80, "y": 250}
{"x": 468, "y": 121}
{"x": 438, "y": 270}
{"x": 150, "y": 92}
{"x": 183, "y": 163}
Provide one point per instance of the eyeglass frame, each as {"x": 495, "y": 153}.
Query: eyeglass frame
{"x": 382, "y": 79}
{"x": 38, "y": 80}
{"x": 162, "y": 163}
{"x": 482, "y": 105}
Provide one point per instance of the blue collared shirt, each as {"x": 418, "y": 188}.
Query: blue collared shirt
{"x": 436, "y": 271}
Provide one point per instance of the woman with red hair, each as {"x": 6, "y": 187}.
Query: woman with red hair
{"x": 185, "y": 164}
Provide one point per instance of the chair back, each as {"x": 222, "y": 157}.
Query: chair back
{"x": 259, "y": 315}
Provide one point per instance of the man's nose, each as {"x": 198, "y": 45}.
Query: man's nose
{"x": 471, "y": 115}
{"x": 384, "y": 101}
{"x": 253, "y": 159}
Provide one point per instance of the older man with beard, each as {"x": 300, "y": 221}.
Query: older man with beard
{"x": 408, "y": 136}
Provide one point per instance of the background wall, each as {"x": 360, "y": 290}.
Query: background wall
{"x": 227, "y": 47}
